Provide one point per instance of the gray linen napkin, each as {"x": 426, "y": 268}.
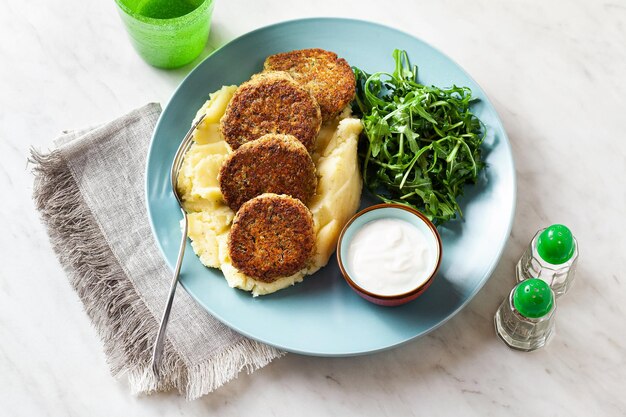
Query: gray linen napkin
{"x": 90, "y": 193}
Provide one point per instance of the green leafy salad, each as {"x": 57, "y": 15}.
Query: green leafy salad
{"x": 421, "y": 144}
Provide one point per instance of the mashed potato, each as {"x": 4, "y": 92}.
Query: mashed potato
{"x": 336, "y": 198}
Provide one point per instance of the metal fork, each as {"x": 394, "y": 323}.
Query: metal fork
{"x": 157, "y": 350}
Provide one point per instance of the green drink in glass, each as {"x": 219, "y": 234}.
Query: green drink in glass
{"x": 167, "y": 33}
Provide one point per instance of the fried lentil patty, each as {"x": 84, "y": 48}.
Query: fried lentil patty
{"x": 272, "y": 236}
{"x": 271, "y": 102}
{"x": 328, "y": 77}
{"x": 273, "y": 163}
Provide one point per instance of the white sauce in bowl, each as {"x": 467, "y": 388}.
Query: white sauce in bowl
{"x": 390, "y": 257}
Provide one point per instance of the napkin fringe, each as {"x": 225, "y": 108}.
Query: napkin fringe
{"x": 119, "y": 315}
{"x": 209, "y": 375}
{"x": 248, "y": 355}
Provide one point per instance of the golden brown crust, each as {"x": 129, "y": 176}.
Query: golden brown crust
{"x": 273, "y": 163}
{"x": 271, "y": 102}
{"x": 328, "y": 77}
{"x": 272, "y": 236}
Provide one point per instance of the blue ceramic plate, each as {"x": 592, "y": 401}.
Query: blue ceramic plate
{"x": 322, "y": 315}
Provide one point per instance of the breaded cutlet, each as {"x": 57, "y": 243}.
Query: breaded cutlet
{"x": 272, "y": 236}
{"x": 328, "y": 77}
{"x": 274, "y": 163}
{"x": 271, "y": 102}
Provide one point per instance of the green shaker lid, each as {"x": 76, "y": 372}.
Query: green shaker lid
{"x": 533, "y": 298}
{"x": 556, "y": 244}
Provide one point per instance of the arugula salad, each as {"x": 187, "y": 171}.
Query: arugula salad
{"x": 421, "y": 144}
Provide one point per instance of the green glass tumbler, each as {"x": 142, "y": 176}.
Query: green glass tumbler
{"x": 167, "y": 33}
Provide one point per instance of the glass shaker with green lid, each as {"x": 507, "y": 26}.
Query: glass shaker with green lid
{"x": 551, "y": 256}
{"x": 525, "y": 320}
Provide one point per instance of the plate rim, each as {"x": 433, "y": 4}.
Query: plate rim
{"x": 468, "y": 299}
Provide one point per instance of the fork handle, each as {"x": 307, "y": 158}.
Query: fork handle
{"x": 157, "y": 350}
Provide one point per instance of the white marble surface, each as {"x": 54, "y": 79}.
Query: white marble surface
{"x": 555, "y": 71}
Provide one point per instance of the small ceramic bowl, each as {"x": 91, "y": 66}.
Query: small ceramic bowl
{"x": 388, "y": 211}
